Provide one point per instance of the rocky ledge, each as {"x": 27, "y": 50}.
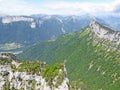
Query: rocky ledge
{"x": 31, "y": 75}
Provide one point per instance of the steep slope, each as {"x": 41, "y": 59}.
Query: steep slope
{"x": 92, "y": 61}
{"x": 28, "y": 30}
{"x": 31, "y": 75}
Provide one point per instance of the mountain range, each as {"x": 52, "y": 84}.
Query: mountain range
{"x": 20, "y": 32}
{"x": 23, "y": 31}
{"x": 91, "y": 55}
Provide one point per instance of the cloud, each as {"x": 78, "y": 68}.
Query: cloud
{"x": 18, "y": 7}
{"x": 77, "y": 7}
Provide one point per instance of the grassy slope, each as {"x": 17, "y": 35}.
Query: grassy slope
{"x": 92, "y": 64}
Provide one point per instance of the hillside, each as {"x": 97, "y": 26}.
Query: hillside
{"x": 91, "y": 55}
{"x": 31, "y": 75}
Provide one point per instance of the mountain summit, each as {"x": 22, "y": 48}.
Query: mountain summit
{"x": 105, "y": 35}
{"x": 105, "y": 32}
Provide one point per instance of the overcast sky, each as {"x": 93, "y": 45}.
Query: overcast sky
{"x": 64, "y": 7}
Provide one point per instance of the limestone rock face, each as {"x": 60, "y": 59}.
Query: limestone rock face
{"x": 105, "y": 32}
{"x": 7, "y": 20}
{"x": 17, "y": 75}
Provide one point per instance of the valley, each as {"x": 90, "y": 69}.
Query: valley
{"x": 24, "y": 31}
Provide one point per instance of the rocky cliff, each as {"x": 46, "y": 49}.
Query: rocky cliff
{"x": 105, "y": 35}
{"x": 8, "y": 19}
{"x": 24, "y": 75}
{"x": 15, "y": 19}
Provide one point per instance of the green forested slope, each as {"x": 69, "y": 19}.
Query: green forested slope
{"x": 90, "y": 65}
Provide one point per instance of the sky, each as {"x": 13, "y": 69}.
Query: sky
{"x": 61, "y": 7}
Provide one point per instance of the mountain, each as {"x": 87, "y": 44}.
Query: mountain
{"x": 91, "y": 55}
{"x": 31, "y": 75}
{"x": 22, "y": 31}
